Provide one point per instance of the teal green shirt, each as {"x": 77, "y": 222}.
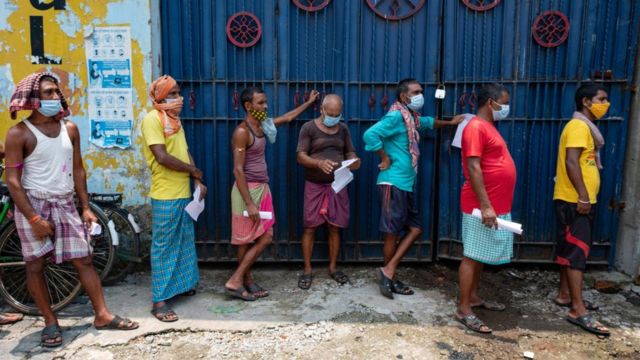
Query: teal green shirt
{"x": 390, "y": 134}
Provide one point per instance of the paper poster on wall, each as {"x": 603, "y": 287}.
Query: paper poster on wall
{"x": 111, "y": 114}
{"x": 108, "y": 52}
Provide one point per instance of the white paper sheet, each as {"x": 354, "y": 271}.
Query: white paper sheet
{"x": 264, "y": 215}
{"x": 96, "y": 229}
{"x": 502, "y": 224}
{"x": 457, "y": 138}
{"x": 342, "y": 176}
{"x": 196, "y": 206}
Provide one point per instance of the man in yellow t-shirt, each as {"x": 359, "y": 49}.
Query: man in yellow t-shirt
{"x": 574, "y": 195}
{"x": 174, "y": 263}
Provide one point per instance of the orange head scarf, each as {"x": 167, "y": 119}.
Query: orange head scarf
{"x": 169, "y": 113}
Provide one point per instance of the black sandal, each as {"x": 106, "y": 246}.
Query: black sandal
{"x": 118, "y": 323}
{"x": 340, "y": 277}
{"x": 473, "y": 323}
{"x": 401, "y": 288}
{"x": 384, "y": 283}
{"x": 587, "y": 322}
{"x": 257, "y": 290}
{"x": 587, "y": 305}
{"x": 239, "y": 293}
{"x": 189, "y": 293}
{"x": 51, "y": 332}
{"x": 164, "y": 313}
{"x": 304, "y": 281}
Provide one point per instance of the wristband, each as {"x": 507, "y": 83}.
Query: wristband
{"x": 584, "y": 202}
{"x": 34, "y": 219}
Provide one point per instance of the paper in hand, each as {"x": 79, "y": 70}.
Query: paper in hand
{"x": 342, "y": 176}
{"x": 457, "y": 138}
{"x": 264, "y": 215}
{"x": 502, "y": 224}
{"x": 196, "y": 206}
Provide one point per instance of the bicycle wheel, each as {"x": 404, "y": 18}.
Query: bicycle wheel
{"x": 128, "y": 248}
{"x": 61, "y": 279}
{"x": 103, "y": 249}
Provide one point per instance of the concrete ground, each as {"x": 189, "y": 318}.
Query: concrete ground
{"x": 342, "y": 322}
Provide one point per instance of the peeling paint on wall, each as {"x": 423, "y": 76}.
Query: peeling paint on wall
{"x": 109, "y": 170}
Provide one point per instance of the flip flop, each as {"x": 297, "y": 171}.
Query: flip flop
{"x": 587, "y": 305}
{"x": 254, "y": 289}
{"x": 9, "y": 318}
{"x": 490, "y": 305}
{"x": 191, "y": 292}
{"x": 340, "y": 277}
{"x": 587, "y": 322}
{"x": 384, "y": 283}
{"x": 401, "y": 288}
{"x": 304, "y": 281}
{"x": 51, "y": 332}
{"x": 472, "y": 322}
{"x": 238, "y": 293}
{"x": 163, "y": 312}
{"x": 118, "y": 323}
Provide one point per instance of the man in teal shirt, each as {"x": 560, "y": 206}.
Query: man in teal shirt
{"x": 395, "y": 139}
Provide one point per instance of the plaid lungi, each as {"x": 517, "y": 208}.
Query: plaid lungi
{"x": 174, "y": 263}
{"x": 71, "y": 239}
{"x": 486, "y": 245}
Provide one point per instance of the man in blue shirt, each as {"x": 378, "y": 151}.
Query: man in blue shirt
{"x": 395, "y": 139}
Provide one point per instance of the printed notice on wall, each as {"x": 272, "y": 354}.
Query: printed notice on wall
{"x": 108, "y": 52}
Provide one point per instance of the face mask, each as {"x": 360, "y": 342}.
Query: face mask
{"x": 502, "y": 113}
{"x": 330, "y": 121}
{"x": 171, "y": 101}
{"x": 417, "y": 102}
{"x": 598, "y": 110}
{"x": 269, "y": 129}
{"x": 50, "y": 108}
{"x": 259, "y": 115}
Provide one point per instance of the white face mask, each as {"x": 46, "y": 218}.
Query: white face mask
{"x": 170, "y": 100}
{"x": 502, "y": 113}
{"x": 417, "y": 102}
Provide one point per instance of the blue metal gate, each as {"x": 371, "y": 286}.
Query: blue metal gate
{"x": 360, "y": 49}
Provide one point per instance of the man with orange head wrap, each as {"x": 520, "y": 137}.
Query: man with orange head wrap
{"x": 174, "y": 263}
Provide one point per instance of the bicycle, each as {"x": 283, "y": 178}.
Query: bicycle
{"x": 127, "y": 243}
{"x": 61, "y": 279}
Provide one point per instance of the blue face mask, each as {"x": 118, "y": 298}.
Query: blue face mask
{"x": 502, "y": 113}
{"x": 417, "y": 102}
{"x": 50, "y": 108}
{"x": 330, "y": 121}
{"x": 269, "y": 129}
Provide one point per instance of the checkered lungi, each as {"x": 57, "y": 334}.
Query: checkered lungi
{"x": 486, "y": 245}
{"x": 71, "y": 239}
{"x": 174, "y": 263}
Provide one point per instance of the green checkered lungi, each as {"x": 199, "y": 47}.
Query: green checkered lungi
{"x": 486, "y": 245}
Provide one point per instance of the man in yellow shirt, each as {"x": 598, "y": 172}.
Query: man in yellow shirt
{"x": 575, "y": 196}
{"x": 174, "y": 263}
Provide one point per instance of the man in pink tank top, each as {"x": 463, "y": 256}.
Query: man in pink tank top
{"x": 252, "y": 216}
{"x": 44, "y": 168}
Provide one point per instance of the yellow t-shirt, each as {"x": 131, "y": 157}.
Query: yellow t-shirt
{"x": 576, "y": 134}
{"x": 166, "y": 184}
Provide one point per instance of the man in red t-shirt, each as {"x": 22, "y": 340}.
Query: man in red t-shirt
{"x": 490, "y": 179}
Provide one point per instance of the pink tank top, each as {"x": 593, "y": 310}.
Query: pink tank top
{"x": 255, "y": 163}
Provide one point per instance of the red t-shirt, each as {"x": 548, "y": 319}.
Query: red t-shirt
{"x": 481, "y": 139}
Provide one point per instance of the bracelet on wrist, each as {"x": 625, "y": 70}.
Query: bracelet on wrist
{"x": 584, "y": 202}
{"x": 34, "y": 219}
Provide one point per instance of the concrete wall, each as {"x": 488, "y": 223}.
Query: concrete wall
{"x": 110, "y": 170}
{"x": 628, "y": 242}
